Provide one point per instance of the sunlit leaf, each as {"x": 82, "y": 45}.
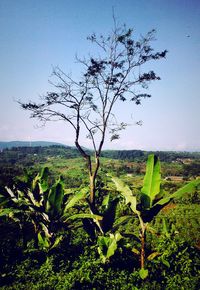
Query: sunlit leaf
{"x": 152, "y": 256}
{"x": 105, "y": 201}
{"x": 188, "y": 188}
{"x": 152, "y": 180}
{"x": 55, "y": 198}
{"x": 83, "y": 216}
{"x": 8, "y": 211}
{"x": 135, "y": 251}
{"x": 108, "y": 246}
{"x": 78, "y": 196}
{"x": 143, "y": 273}
{"x": 57, "y": 241}
{"x": 127, "y": 193}
{"x": 43, "y": 241}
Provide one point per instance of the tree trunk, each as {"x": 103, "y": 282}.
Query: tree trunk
{"x": 93, "y": 176}
{"x": 92, "y": 191}
{"x": 92, "y": 170}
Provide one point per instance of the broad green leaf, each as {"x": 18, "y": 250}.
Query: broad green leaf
{"x": 35, "y": 182}
{"x": 44, "y": 186}
{"x": 135, "y": 251}
{"x": 8, "y": 211}
{"x": 108, "y": 246}
{"x": 57, "y": 241}
{"x": 12, "y": 195}
{"x": 76, "y": 198}
{"x": 103, "y": 244}
{"x": 143, "y": 273}
{"x": 33, "y": 200}
{"x": 45, "y": 230}
{"x": 59, "y": 196}
{"x": 55, "y": 199}
{"x": 44, "y": 173}
{"x": 83, "y": 216}
{"x": 120, "y": 221}
{"x": 153, "y": 255}
{"x": 43, "y": 241}
{"x": 149, "y": 214}
{"x": 113, "y": 245}
{"x": 152, "y": 180}
{"x": 118, "y": 237}
{"x": 109, "y": 216}
{"x": 105, "y": 201}
{"x": 127, "y": 193}
{"x": 165, "y": 262}
{"x": 188, "y": 188}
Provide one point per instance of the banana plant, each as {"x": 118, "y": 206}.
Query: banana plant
{"x": 102, "y": 227}
{"x": 45, "y": 205}
{"x": 152, "y": 199}
{"x": 107, "y": 245}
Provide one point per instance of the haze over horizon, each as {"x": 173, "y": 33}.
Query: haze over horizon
{"x": 34, "y": 35}
{"x": 36, "y": 143}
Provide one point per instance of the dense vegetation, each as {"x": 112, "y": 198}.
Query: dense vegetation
{"x": 48, "y": 238}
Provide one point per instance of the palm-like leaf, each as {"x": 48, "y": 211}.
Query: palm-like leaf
{"x": 74, "y": 200}
{"x": 109, "y": 215}
{"x": 43, "y": 205}
{"x": 127, "y": 193}
{"x": 188, "y": 188}
{"x": 55, "y": 199}
{"x": 152, "y": 180}
{"x": 83, "y": 216}
{"x": 108, "y": 245}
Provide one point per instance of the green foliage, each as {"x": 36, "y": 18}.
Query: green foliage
{"x": 143, "y": 273}
{"x": 152, "y": 179}
{"x": 152, "y": 200}
{"x": 45, "y": 205}
{"x": 55, "y": 199}
{"x": 192, "y": 169}
{"x": 108, "y": 245}
{"x": 172, "y": 237}
{"x": 152, "y": 197}
{"x": 86, "y": 271}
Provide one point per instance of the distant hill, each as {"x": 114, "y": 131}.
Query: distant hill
{"x": 12, "y": 144}
{"x": 141, "y": 155}
{"x": 54, "y": 148}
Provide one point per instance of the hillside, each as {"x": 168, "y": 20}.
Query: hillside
{"x": 18, "y": 149}
{"x": 13, "y": 144}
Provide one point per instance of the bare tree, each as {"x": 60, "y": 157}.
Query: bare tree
{"x": 87, "y": 105}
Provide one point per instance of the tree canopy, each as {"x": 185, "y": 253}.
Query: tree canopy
{"x": 87, "y": 104}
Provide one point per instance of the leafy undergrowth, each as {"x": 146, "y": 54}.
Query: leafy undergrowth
{"x": 45, "y": 244}
{"x": 76, "y": 265}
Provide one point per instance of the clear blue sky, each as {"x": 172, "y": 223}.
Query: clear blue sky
{"x": 36, "y": 34}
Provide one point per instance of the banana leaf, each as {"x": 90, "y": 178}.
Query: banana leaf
{"x": 55, "y": 199}
{"x": 108, "y": 246}
{"x": 188, "y": 188}
{"x": 127, "y": 193}
{"x": 8, "y": 211}
{"x": 152, "y": 180}
{"x": 149, "y": 214}
{"x": 44, "y": 179}
{"x": 109, "y": 215}
{"x": 82, "y": 216}
{"x": 78, "y": 196}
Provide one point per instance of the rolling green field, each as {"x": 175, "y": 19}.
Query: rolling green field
{"x": 50, "y": 240}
